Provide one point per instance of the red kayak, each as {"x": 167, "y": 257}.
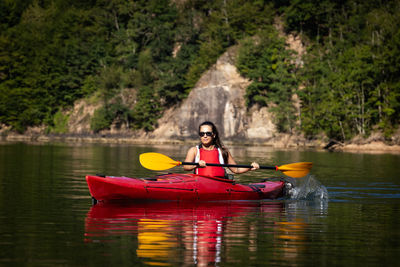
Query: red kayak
{"x": 180, "y": 187}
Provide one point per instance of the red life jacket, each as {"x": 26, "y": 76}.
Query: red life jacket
{"x": 210, "y": 156}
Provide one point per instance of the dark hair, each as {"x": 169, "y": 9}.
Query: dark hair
{"x": 216, "y": 141}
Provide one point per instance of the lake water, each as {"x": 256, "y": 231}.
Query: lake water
{"x": 46, "y": 216}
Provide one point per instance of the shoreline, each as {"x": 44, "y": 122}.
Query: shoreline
{"x": 376, "y": 147}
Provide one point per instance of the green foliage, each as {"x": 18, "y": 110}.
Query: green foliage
{"x": 47, "y": 55}
{"x": 101, "y": 119}
{"x": 267, "y": 62}
{"x": 10, "y": 12}
{"x": 146, "y": 111}
{"x": 104, "y": 116}
{"x": 226, "y": 23}
{"x": 109, "y": 82}
{"x": 60, "y": 123}
{"x": 89, "y": 85}
{"x": 54, "y": 52}
{"x": 349, "y": 72}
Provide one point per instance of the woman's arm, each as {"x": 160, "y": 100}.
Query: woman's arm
{"x": 254, "y": 165}
{"x": 190, "y": 157}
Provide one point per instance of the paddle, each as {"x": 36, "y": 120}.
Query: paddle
{"x": 160, "y": 162}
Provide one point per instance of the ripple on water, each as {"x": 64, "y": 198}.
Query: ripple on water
{"x": 369, "y": 192}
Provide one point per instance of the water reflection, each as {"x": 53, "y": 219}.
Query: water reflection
{"x": 198, "y": 233}
{"x": 165, "y": 229}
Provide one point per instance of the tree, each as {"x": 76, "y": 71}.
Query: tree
{"x": 269, "y": 64}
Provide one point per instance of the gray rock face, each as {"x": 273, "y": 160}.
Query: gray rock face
{"x": 218, "y": 97}
{"x": 219, "y": 104}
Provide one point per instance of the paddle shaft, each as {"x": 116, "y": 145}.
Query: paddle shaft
{"x": 230, "y": 165}
{"x": 159, "y": 162}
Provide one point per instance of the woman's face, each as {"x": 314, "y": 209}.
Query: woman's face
{"x": 206, "y": 135}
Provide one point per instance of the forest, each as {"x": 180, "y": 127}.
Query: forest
{"x": 54, "y": 52}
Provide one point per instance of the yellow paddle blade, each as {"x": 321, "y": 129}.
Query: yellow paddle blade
{"x": 296, "y": 170}
{"x": 157, "y": 161}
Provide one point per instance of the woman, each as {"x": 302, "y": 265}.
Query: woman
{"x": 211, "y": 150}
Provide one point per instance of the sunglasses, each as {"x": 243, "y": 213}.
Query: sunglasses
{"x": 205, "y": 133}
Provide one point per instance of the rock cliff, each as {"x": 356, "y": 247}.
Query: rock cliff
{"x": 218, "y": 97}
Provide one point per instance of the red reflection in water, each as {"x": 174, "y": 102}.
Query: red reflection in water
{"x": 164, "y": 228}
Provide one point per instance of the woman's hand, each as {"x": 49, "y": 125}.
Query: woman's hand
{"x": 202, "y": 164}
{"x": 255, "y": 166}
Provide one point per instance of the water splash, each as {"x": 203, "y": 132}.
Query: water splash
{"x": 307, "y": 188}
